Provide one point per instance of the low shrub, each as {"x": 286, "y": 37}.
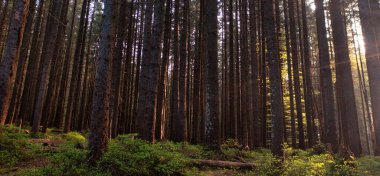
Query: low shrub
{"x": 129, "y": 156}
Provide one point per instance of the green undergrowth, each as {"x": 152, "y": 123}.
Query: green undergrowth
{"x": 58, "y": 154}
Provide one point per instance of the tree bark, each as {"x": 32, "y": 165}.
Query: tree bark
{"x": 274, "y": 77}
{"x": 100, "y": 108}
{"x": 344, "y": 81}
{"x": 212, "y": 92}
{"x": 47, "y": 57}
{"x": 327, "y": 89}
{"x": 11, "y": 53}
{"x": 367, "y": 11}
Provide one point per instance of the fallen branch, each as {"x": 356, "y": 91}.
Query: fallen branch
{"x": 224, "y": 164}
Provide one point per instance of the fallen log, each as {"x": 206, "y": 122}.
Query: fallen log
{"x": 224, "y": 164}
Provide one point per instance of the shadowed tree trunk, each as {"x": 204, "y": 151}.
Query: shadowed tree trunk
{"x": 146, "y": 114}
{"x": 327, "y": 89}
{"x": 212, "y": 92}
{"x": 180, "y": 134}
{"x": 367, "y": 9}
{"x": 274, "y": 78}
{"x": 175, "y": 74}
{"x": 100, "y": 107}
{"x": 160, "y": 124}
{"x": 344, "y": 81}
{"x": 46, "y": 61}
{"x": 11, "y": 53}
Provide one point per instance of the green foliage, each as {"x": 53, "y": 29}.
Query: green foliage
{"x": 38, "y": 135}
{"x": 14, "y": 147}
{"x": 129, "y": 156}
{"x": 231, "y": 143}
{"x": 300, "y": 162}
{"x": 267, "y": 164}
{"x": 368, "y": 165}
{"x": 74, "y": 137}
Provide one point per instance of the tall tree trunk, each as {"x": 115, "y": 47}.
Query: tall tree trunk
{"x": 212, "y": 92}
{"x": 290, "y": 76}
{"x": 181, "y": 121}
{"x": 46, "y": 58}
{"x": 197, "y": 79}
{"x": 117, "y": 67}
{"x": 23, "y": 60}
{"x": 11, "y": 53}
{"x": 256, "y": 134}
{"x": 27, "y": 100}
{"x": 245, "y": 83}
{"x": 344, "y": 82}
{"x": 160, "y": 125}
{"x": 74, "y": 89}
{"x": 100, "y": 111}
{"x": 296, "y": 74}
{"x": 232, "y": 76}
{"x": 274, "y": 77}
{"x": 175, "y": 75}
{"x": 149, "y": 72}
{"x": 367, "y": 9}
{"x": 307, "y": 76}
{"x": 57, "y": 61}
{"x": 327, "y": 89}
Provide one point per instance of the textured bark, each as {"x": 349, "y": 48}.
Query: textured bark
{"x": 116, "y": 69}
{"x": 27, "y": 100}
{"x": 22, "y": 62}
{"x": 275, "y": 78}
{"x": 128, "y": 95}
{"x": 290, "y": 76}
{"x": 146, "y": 114}
{"x": 344, "y": 82}
{"x": 245, "y": 82}
{"x": 3, "y": 16}
{"x": 263, "y": 86}
{"x": 157, "y": 34}
{"x": 50, "y": 103}
{"x": 137, "y": 68}
{"x": 256, "y": 134}
{"x": 74, "y": 90}
{"x": 238, "y": 130}
{"x": 64, "y": 90}
{"x": 232, "y": 76}
{"x": 196, "y": 128}
{"x": 175, "y": 75}
{"x": 212, "y": 92}
{"x": 180, "y": 134}
{"x": 308, "y": 87}
{"x": 327, "y": 89}
{"x": 100, "y": 110}
{"x": 11, "y": 53}
{"x": 160, "y": 124}
{"x": 367, "y": 11}
{"x": 46, "y": 61}
{"x": 296, "y": 74}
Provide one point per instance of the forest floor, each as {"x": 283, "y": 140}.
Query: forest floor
{"x": 57, "y": 154}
